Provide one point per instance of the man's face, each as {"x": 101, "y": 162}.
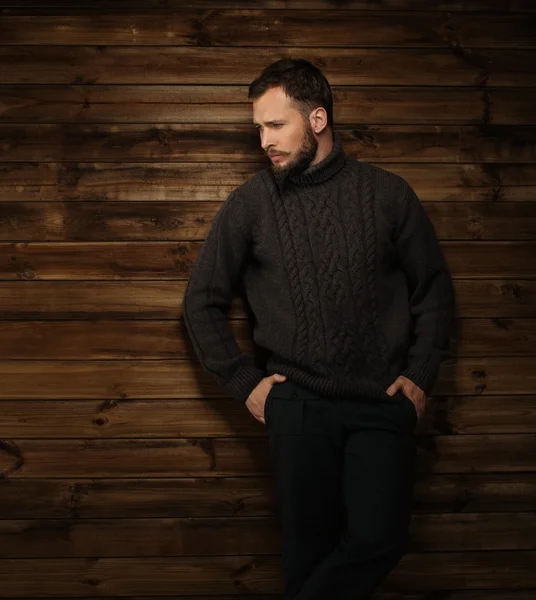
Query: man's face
{"x": 285, "y": 135}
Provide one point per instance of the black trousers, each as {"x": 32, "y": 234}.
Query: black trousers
{"x": 344, "y": 473}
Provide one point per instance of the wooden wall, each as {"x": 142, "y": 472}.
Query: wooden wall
{"x": 125, "y": 470}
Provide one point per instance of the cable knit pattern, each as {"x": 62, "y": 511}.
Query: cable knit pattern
{"x": 323, "y": 234}
{"x": 364, "y": 282}
{"x": 335, "y": 286}
{"x": 370, "y": 265}
{"x": 288, "y": 221}
{"x": 355, "y": 216}
{"x": 308, "y": 345}
{"x": 344, "y": 273}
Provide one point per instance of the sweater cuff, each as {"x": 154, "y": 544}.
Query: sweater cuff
{"x": 424, "y": 372}
{"x": 244, "y": 380}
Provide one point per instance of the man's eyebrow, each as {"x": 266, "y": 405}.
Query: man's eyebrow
{"x": 269, "y": 122}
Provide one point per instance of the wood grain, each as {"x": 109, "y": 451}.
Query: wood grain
{"x": 501, "y": 298}
{"x": 227, "y": 536}
{"x": 161, "y": 339}
{"x": 248, "y": 495}
{"x": 146, "y": 418}
{"x": 222, "y": 65}
{"x": 139, "y": 260}
{"x": 512, "y": 571}
{"x": 511, "y": 6}
{"x": 266, "y": 27}
{"x": 121, "y": 221}
{"x": 418, "y": 144}
{"x": 228, "y": 104}
{"x": 166, "y": 378}
{"x": 222, "y": 457}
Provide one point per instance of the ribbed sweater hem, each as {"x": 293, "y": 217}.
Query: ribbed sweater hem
{"x": 331, "y": 387}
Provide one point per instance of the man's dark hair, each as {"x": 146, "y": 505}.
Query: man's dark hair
{"x": 304, "y": 83}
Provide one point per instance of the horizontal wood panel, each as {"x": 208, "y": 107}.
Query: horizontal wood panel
{"x": 424, "y": 5}
{"x": 35, "y": 192}
{"x": 509, "y": 570}
{"x": 336, "y": 28}
{"x": 173, "y": 260}
{"x": 105, "y": 300}
{"x": 217, "y": 457}
{"x": 239, "y": 143}
{"x": 453, "y": 595}
{"x": 183, "y": 181}
{"x": 175, "y": 418}
{"x": 100, "y": 538}
{"x": 229, "y": 104}
{"x": 174, "y": 191}
{"x": 117, "y": 339}
{"x": 140, "y": 379}
{"x": 239, "y": 496}
{"x": 400, "y": 595}
{"x": 118, "y": 221}
{"x": 172, "y": 537}
{"x": 221, "y": 65}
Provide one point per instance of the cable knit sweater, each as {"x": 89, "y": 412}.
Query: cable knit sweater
{"x": 343, "y": 272}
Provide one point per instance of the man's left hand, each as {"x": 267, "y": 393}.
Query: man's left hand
{"x": 412, "y": 391}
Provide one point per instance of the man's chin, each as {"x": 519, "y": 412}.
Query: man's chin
{"x": 284, "y": 171}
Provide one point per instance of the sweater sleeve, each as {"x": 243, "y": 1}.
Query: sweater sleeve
{"x": 431, "y": 291}
{"x": 208, "y": 296}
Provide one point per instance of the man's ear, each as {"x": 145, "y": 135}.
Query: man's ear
{"x": 318, "y": 120}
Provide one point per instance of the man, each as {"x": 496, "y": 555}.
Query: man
{"x": 353, "y": 303}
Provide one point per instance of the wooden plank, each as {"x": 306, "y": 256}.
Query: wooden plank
{"x": 163, "y": 191}
{"x": 239, "y": 143}
{"x": 107, "y": 538}
{"x": 126, "y": 192}
{"x": 29, "y": 498}
{"x": 466, "y": 492}
{"x": 336, "y": 28}
{"x": 396, "y": 595}
{"x": 153, "y": 339}
{"x": 493, "y": 298}
{"x": 231, "y": 66}
{"x": 78, "y": 577}
{"x": 144, "y": 537}
{"x": 452, "y": 595}
{"x": 140, "y": 260}
{"x": 215, "y": 496}
{"x": 154, "y": 5}
{"x": 145, "y": 379}
{"x": 120, "y": 221}
{"x": 40, "y": 419}
{"x": 183, "y": 181}
{"x": 219, "y": 457}
{"x": 228, "y": 104}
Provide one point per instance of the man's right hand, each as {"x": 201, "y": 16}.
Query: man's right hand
{"x": 257, "y": 399}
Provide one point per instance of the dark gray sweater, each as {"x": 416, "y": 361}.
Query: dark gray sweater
{"x": 343, "y": 273}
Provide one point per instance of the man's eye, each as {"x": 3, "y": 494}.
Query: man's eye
{"x": 275, "y": 125}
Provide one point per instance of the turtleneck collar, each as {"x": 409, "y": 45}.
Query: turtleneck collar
{"x": 324, "y": 169}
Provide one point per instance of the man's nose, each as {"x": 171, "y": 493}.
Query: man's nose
{"x": 267, "y": 141}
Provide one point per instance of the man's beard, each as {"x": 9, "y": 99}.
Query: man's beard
{"x": 304, "y": 156}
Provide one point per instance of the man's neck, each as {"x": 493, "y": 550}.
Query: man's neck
{"x": 325, "y": 168}
{"x": 325, "y": 145}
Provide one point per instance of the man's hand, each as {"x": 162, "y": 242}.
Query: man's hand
{"x": 412, "y": 391}
{"x": 257, "y": 399}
